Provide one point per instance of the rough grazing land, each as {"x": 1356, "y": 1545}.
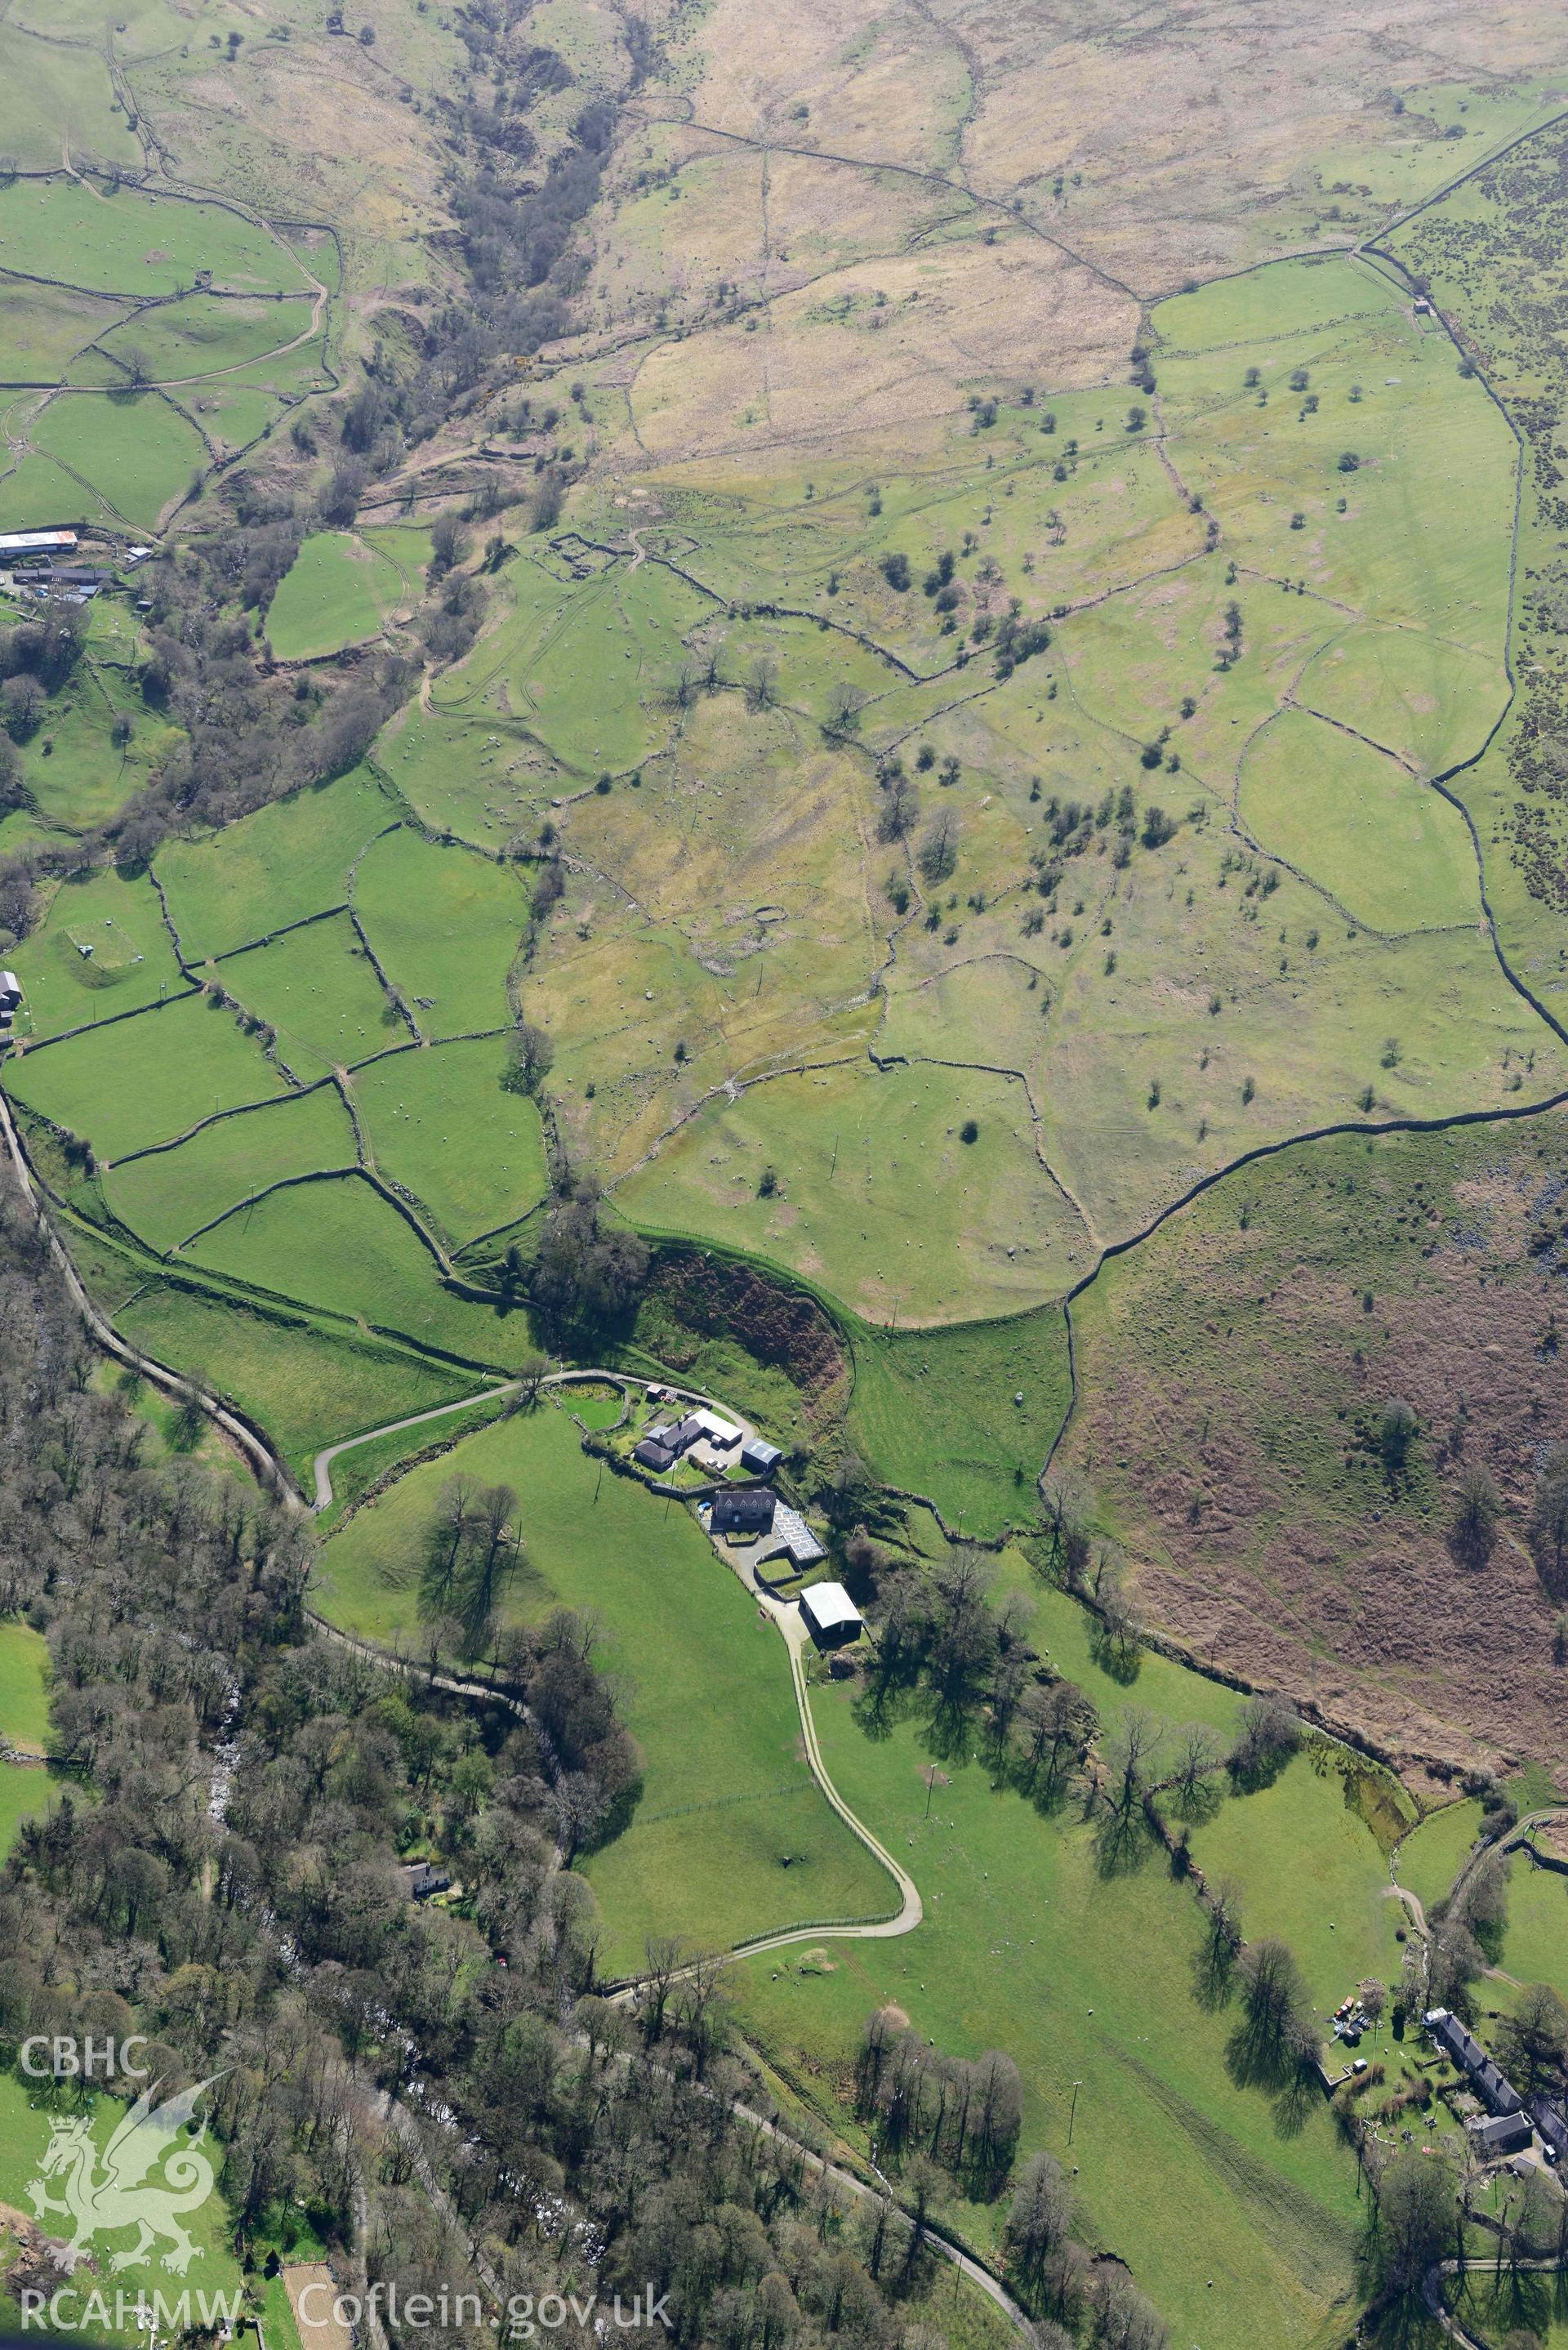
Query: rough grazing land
{"x": 1268, "y": 1533}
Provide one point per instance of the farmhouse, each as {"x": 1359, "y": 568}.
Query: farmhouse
{"x": 831, "y": 1615}
{"x": 1485, "y": 2077}
{"x": 675, "y": 1438}
{"x": 1499, "y": 2133}
{"x": 421, "y": 1881}
{"x": 655, "y": 1455}
{"x": 761, "y": 1459}
{"x": 747, "y": 1512}
{"x": 1553, "y": 2122}
{"x": 10, "y": 995}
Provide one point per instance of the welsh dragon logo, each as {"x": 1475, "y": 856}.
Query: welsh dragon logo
{"x": 104, "y": 2192}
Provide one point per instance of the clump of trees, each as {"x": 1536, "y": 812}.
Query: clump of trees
{"x": 961, "y": 2114}
{"x": 530, "y": 1054}
{"x": 1268, "y": 1735}
{"x": 591, "y": 1270}
{"x": 1052, "y": 2276}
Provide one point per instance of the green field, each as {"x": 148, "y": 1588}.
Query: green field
{"x": 340, "y": 1246}
{"x": 446, "y": 924}
{"x": 203, "y": 335}
{"x": 75, "y": 771}
{"x": 1431, "y": 702}
{"x": 1313, "y": 1874}
{"x": 288, "y": 861}
{"x": 338, "y": 592}
{"x": 167, "y": 1195}
{"x": 102, "y": 950}
{"x": 317, "y": 988}
{"x": 877, "y": 1197}
{"x": 136, "y": 449}
{"x": 1383, "y": 843}
{"x": 306, "y": 1387}
{"x": 1536, "y": 1943}
{"x": 440, "y": 1123}
{"x": 1495, "y": 2308}
{"x": 24, "y": 1685}
{"x": 26, "y": 1793}
{"x": 730, "y": 1837}
{"x": 1433, "y": 1854}
{"x": 25, "y": 2113}
{"x": 45, "y": 326}
{"x": 148, "y": 1079}
{"x": 937, "y": 1412}
{"x": 138, "y": 244}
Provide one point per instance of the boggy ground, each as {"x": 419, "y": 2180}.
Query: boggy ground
{"x": 1233, "y": 1375}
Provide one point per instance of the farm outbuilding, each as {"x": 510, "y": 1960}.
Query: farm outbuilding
{"x": 759, "y": 1458}
{"x": 832, "y": 1617}
{"x": 10, "y": 994}
{"x": 1499, "y": 2133}
{"x": 720, "y": 1435}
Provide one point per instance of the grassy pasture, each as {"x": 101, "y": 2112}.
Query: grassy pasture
{"x": 337, "y": 591}
{"x": 440, "y": 1123}
{"x": 1313, "y": 1874}
{"x": 876, "y": 1197}
{"x": 934, "y": 1411}
{"x": 114, "y": 913}
{"x": 1472, "y": 120}
{"x": 24, "y": 1685}
{"x": 77, "y": 774}
{"x": 1387, "y": 847}
{"x": 318, "y": 988}
{"x": 136, "y": 449}
{"x": 1536, "y": 1943}
{"x": 482, "y": 777}
{"x": 354, "y": 1471}
{"x": 35, "y": 493}
{"x": 1431, "y": 702}
{"x": 57, "y": 95}
{"x": 446, "y": 925}
{"x": 169, "y": 1194}
{"x": 203, "y": 333}
{"x": 146, "y": 1079}
{"x": 1281, "y": 298}
{"x": 45, "y": 326}
{"x": 1496, "y": 2310}
{"x": 1084, "y": 1979}
{"x": 136, "y": 243}
{"x": 730, "y": 1837}
{"x": 1432, "y": 1855}
{"x": 587, "y": 666}
{"x": 1430, "y": 446}
{"x": 1223, "y": 972}
{"x": 290, "y": 860}
{"x": 26, "y": 1793}
{"x": 341, "y": 1247}
{"x": 305, "y": 1386}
